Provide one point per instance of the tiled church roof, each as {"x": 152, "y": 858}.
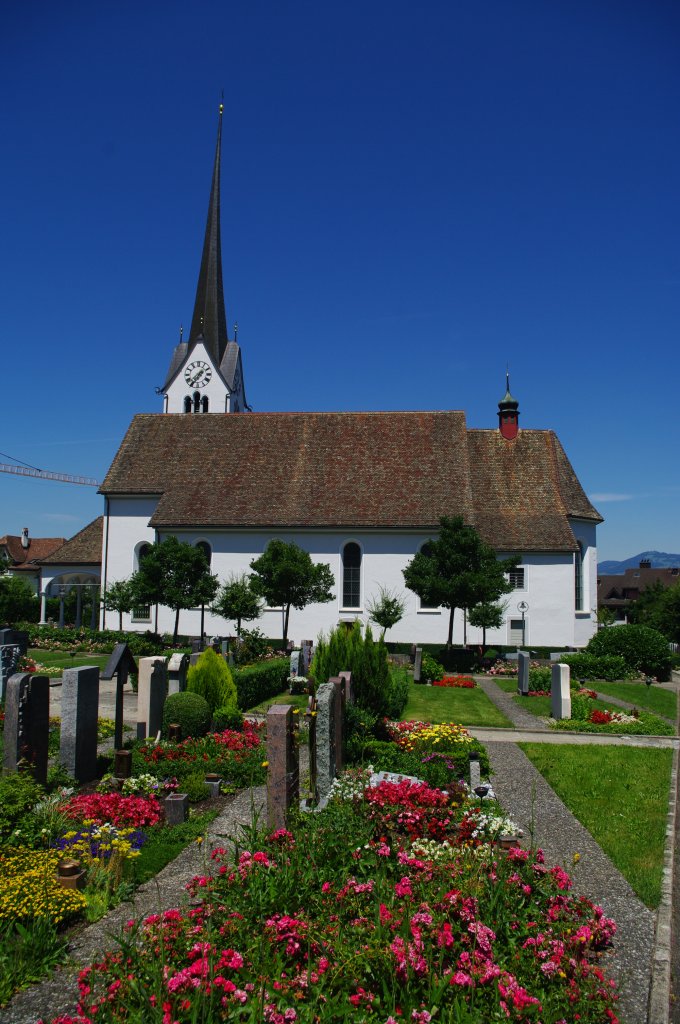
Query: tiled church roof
{"x": 84, "y": 547}
{"x": 351, "y": 470}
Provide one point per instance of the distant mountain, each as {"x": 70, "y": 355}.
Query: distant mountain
{"x": 659, "y": 560}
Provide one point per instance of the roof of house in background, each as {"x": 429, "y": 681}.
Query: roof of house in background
{"x": 359, "y": 470}
{"x": 26, "y": 558}
{"x": 627, "y": 586}
{"x": 84, "y": 548}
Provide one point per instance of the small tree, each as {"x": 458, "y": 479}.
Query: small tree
{"x": 18, "y": 602}
{"x": 211, "y": 678}
{"x": 119, "y": 597}
{"x": 285, "y": 575}
{"x": 458, "y": 570}
{"x": 386, "y": 610}
{"x": 236, "y": 600}
{"x": 486, "y": 615}
{"x": 176, "y": 575}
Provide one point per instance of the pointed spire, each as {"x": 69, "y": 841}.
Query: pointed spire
{"x": 210, "y": 318}
{"x": 508, "y": 412}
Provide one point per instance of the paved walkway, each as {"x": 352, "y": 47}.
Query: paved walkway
{"x": 522, "y": 791}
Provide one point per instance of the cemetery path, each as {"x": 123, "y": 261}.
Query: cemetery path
{"x": 59, "y": 994}
{"x": 504, "y": 701}
{"x": 536, "y": 808}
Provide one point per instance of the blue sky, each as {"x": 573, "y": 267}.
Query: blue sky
{"x": 413, "y": 196}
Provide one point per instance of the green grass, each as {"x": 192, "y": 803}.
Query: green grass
{"x": 62, "y": 659}
{"x": 164, "y": 843}
{"x": 620, "y": 794}
{"x": 661, "y": 702}
{"x": 298, "y": 700}
{"x": 443, "y": 704}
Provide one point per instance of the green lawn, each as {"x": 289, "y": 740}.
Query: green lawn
{"x": 298, "y": 700}
{"x": 62, "y": 659}
{"x": 661, "y": 702}
{"x": 620, "y": 794}
{"x": 447, "y": 704}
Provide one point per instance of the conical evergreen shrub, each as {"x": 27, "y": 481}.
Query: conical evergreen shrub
{"x": 211, "y": 678}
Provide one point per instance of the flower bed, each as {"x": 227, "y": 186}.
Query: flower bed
{"x": 236, "y": 756}
{"x": 30, "y": 889}
{"x": 462, "y": 682}
{"x": 113, "y": 808}
{"x": 419, "y": 736}
{"x": 337, "y": 920}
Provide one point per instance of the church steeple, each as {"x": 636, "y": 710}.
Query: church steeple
{"x": 209, "y": 321}
{"x": 508, "y": 413}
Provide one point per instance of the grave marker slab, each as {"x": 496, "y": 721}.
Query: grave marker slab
{"x": 9, "y": 659}
{"x": 306, "y": 654}
{"x": 152, "y": 690}
{"x": 294, "y": 665}
{"x": 120, "y": 664}
{"x": 283, "y": 771}
{"x": 27, "y": 723}
{"x": 177, "y": 672}
{"x": 79, "y": 712}
{"x": 328, "y": 709}
{"x": 348, "y": 686}
{"x": 523, "y": 673}
{"x": 560, "y": 694}
{"x": 417, "y": 664}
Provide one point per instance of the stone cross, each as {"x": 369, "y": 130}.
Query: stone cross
{"x": 523, "y": 673}
{"x": 152, "y": 690}
{"x": 283, "y": 770}
{"x": 27, "y": 724}
{"x": 328, "y": 710}
{"x": 560, "y": 695}
{"x": 79, "y": 712}
{"x": 177, "y": 672}
{"x": 417, "y": 664}
{"x": 9, "y": 659}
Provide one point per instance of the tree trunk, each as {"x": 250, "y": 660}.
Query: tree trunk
{"x": 238, "y": 626}
{"x": 285, "y": 625}
{"x": 174, "y": 635}
{"x": 449, "y": 642}
{"x": 464, "y": 627}
{"x": 483, "y": 640}
{"x": 120, "y": 622}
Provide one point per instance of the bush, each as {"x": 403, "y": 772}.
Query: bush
{"x": 437, "y": 769}
{"x": 256, "y": 683}
{"x": 581, "y": 707}
{"x": 430, "y": 669}
{"x": 195, "y": 786}
{"x": 227, "y": 718}
{"x": 254, "y": 647}
{"x": 643, "y": 649}
{"x": 98, "y": 641}
{"x": 459, "y": 659}
{"x": 211, "y": 678}
{"x": 190, "y": 711}
{"x": 597, "y": 666}
{"x": 18, "y": 793}
{"x": 397, "y": 695}
{"x": 540, "y": 678}
{"x": 350, "y": 650}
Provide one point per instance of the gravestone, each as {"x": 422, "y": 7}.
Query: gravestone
{"x": 283, "y": 770}
{"x": 79, "y": 712}
{"x": 328, "y": 709}
{"x": 417, "y": 664}
{"x": 177, "y": 672}
{"x": 152, "y": 690}
{"x": 224, "y": 647}
{"x": 475, "y": 772}
{"x": 306, "y": 654}
{"x": 523, "y": 673}
{"x": 339, "y": 721}
{"x": 176, "y": 807}
{"x": 15, "y": 638}
{"x": 311, "y": 716}
{"x": 560, "y": 696}
{"x": 27, "y": 723}
{"x": 9, "y": 659}
{"x": 193, "y": 658}
{"x": 348, "y": 686}
{"x": 120, "y": 664}
{"x": 294, "y": 666}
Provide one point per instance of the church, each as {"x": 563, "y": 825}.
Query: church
{"x": 362, "y": 492}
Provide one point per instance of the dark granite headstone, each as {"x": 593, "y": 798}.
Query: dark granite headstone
{"x": 120, "y": 664}
{"x": 79, "y": 712}
{"x": 27, "y": 724}
{"x": 283, "y": 771}
{"x": 417, "y": 664}
{"x": 152, "y": 689}
{"x": 9, "y": 660}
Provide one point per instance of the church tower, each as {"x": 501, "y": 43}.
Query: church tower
{"x": 508, "y": 413}
{"x": 206, "y": 372}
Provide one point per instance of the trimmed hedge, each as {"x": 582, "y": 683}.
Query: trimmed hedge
{"x": 101, "y": 641}
{"x": 643, "y": 649}
{"x": 592, "y": 666}
{"x": 190, "y": 711}
{"x": 255, "y": 683}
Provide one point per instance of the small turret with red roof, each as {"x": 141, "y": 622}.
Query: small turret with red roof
{"x": 508, "y": 413}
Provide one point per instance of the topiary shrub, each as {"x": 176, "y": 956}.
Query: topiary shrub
{"x": 227, "y": 718}
{"x": 643, "y": 649}
{"x": 211, "y": 678}
{"x": 190, "y": 711}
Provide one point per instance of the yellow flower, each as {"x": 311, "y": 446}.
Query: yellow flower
{"x": 577, "y": 857}
{"x": 265, "y": 764}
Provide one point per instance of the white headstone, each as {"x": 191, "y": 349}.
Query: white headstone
{"x": 560, "y": 699}
{"x": 523, "y": 673}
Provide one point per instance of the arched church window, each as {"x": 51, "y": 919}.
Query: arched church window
{"x": 578, "y": 578}
{"x": 187, "y": 404}
{"x": 141, "y": 551}
{"x": 204, "y": 403}
{"x": 351, "y": 576}
{"x": 197, "y": 401}
{"x": 206, "y": 549}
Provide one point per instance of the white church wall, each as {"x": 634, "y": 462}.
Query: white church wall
{"x": 586, "y": 618}
{"x": 548, "y": 582}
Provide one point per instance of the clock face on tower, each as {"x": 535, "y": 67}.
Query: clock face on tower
{"x": 197, "y": 374}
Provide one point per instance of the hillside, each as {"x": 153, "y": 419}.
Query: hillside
{"x": 659, "y": 560}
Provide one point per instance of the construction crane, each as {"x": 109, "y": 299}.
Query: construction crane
{"x": 44, "y": 474}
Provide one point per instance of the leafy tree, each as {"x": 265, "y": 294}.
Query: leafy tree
{"x": 486, "y": 615}
{"x": 659, "y": 608}
{"x": 176, "y": 575}
{"x": 386, "y": 610}
{"x": 119, "y": 597}
{"x": 18, "y": 602}
{"x": 286, "y": 575}
{"x": 458, "y": 570}
{"x": 605, "y": 616}
{"x": 643, "y": 648}
{"x": 236, "y": 600}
